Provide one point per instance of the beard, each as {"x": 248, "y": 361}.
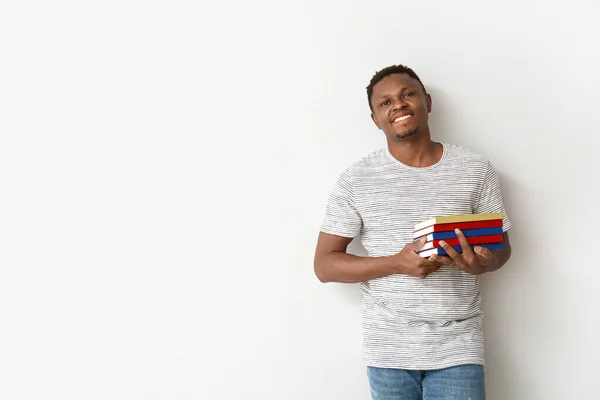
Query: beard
{"x": 406, "y": 134}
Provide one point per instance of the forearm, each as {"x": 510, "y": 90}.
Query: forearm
{"x": 348, "y": 268}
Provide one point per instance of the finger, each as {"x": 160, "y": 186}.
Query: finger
{"x": 485, "y": 254}
{"x": 456, "y": 257}
{"x": 425, "y": 273}
{"x": 464, "y": 243}
{"x": 436, "y": 269}
{"x": 428, "y": 262}
{"x": 445, "y": 260}
{"x": 432, "y": 270}
{"x": 417, "y": 244}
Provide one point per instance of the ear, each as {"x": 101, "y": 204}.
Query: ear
{"x": 428, "y": 101}
{"x": 374, "y": 118}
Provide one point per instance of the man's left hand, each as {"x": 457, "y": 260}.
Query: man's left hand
{"x": 474, "y": 261}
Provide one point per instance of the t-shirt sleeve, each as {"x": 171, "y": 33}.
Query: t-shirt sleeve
{"x": 341, "y": 215}
{"x": 490, "y": 198}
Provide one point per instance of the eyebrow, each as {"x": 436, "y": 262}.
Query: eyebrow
{"x": 401, "y": 90}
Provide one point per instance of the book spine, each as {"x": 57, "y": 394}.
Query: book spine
{"x": 441, "y": 251}
{"x": 468, "y": 233}
{"x": 471, "y": 240}
{"x": 459, "y": 218}
{"x": 459, "y": 225}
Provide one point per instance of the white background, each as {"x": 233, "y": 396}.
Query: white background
{"x": 164, "y": 169}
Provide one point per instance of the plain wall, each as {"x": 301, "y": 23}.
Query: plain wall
{"x": 164, "y": 170}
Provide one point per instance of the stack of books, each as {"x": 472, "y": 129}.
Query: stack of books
{"x": 483, "y": 230}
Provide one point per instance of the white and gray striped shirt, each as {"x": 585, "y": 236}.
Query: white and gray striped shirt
{"x": 408, "y": 322}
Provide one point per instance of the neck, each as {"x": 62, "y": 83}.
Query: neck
{"x": 416, "y": 152}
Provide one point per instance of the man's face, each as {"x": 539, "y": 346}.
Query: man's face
{"x": 400, "y": 108}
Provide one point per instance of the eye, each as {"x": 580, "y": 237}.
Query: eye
{"x": 384, "y": 103}
{"x": 409, "y": 94}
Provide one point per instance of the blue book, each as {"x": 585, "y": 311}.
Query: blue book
{"x": 466, "y": 232}
{"x": 441, "y": 251}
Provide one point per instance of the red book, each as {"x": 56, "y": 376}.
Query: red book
{"x": 457, "y": 225}
{"x": 472, "y": 240}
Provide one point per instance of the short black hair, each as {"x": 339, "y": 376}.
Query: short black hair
{"x": 392, "y": 69}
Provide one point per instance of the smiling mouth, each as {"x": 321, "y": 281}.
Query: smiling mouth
{"x": 402, "y": 118}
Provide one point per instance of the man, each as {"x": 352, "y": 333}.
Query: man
{"x": 422, "y": 318}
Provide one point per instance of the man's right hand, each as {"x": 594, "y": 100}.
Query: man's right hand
{"x": 408, "y": 262}
{"x": 333, "y": 264}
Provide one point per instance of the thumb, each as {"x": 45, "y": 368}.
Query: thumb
{"x": 481, "y": 251}
{"x": 417, "y": 244}
{"x": 484, "y": 253}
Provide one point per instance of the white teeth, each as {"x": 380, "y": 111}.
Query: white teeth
{"x": 401, "y": 118}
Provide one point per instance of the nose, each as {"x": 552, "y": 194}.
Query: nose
{"x": 399, "y": 105}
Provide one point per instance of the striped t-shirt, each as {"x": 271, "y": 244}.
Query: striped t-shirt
{"x": 408, "y": 322}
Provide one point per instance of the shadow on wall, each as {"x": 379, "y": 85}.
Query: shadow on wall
{"x": 441, "y": 121}
{"x": 512, "y": 298}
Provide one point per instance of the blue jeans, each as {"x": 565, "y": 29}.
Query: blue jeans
{"x": 464, "y": 382}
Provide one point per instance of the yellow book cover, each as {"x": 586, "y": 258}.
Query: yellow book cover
{"x": 449, "y": 219}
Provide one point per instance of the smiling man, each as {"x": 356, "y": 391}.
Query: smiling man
{"x": 422, "y": 318}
